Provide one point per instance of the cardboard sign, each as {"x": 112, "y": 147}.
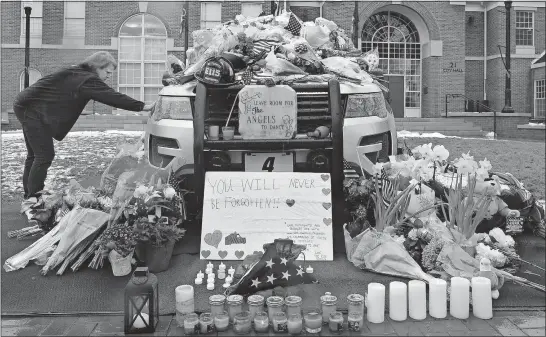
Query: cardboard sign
{"x": 267, "y": 112}
{"x": 244, "y": 210}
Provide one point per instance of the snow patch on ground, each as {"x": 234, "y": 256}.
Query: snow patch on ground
{"x": 413, "y": 134}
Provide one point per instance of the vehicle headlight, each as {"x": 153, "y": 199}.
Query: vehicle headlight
{"x": 172, "y": 107}
{"x": 366, "y": 105}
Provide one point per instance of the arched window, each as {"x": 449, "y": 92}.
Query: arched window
{"x": 397, "y": 40}
{"x": 142, "y": 54}
{"x": 33, "y": 76}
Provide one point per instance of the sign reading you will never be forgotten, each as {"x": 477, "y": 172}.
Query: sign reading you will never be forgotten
{"x": 244, "y": 210}
{"x": 267, "y": 113}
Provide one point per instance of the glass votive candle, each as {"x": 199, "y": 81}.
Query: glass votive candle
{"x": 355, "y": 321}
{"x": 261, "y": 322}
{"x": 295, "y": 324}
{"x": 312, "y": 320}
{"x": 280, "y": 322}
{"x": 336, "y": 322}
{"x": 206, "y": 323}
{"x": 234, "y": 305}
{"x": 329, "y": 305}
{"x": 228, "y": 132}
{"x": 214, "y": 131}
{"x": 221, "y": 321}
{"x": 274, "y": 305}
{"x": 255, "y": 305}
{"x": 216, "y": 303}
{"x": 293, "y": 305}
{"x": 191, "y": 324}
{"x": 241, "y": 323}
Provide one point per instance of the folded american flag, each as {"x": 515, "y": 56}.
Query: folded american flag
{"x": 250, "y": 77}
{"x": 294, "y": 25}
{"x": 262, "y": 47}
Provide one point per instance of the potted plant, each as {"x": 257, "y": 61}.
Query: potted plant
{"x": 155, "y": 241}
{"x": 118, "y": 242}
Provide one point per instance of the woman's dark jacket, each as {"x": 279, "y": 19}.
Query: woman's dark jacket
{"x": 58, "y": 99}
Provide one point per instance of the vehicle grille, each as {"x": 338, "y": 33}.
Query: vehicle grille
{"x": 312, "y": 109}
{"x": 157, "y": 159}
{"x": 381, "y": 156}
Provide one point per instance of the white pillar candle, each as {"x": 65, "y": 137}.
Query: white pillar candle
{"x": 437, "y": 298}
{"x": 376, "y": 303}
{"x": 184, "y": 299}
{"x": 398, "y": 301}
{"x": 141, "y": 322}
{"x": 482, "y": 303}
{"x": 459, "y": 298}
{"x": 417, "y": 299}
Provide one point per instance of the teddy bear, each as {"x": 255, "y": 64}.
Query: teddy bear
{"x": 498, "y": 210}
{"x": 497, "y": 281}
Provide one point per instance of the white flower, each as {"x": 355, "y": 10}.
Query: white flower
{"x": 169, "y": 192}
{"x": 467, "y": 156}
{"x": 485, "y": 164}
{"x": 440, "y": 153}
{"x": 497, "y": 258}
{"x": 140, "y": 191}
{"x": 482, "y": 174}
{"x": 503, "y": 239}
{"x": 466, "y": 166}
{"x": 422, "y": 170}
{"x": 413, "y": 234}
{"x": 482, "y": 237}
{"x": 400, "y": 240}
{"x": 424, "y": 151}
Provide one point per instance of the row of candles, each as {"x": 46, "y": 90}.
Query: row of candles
{"x": 286, "y": 314}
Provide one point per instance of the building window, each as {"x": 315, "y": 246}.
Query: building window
{"x": 211, "y": 14}
{"x": 524, "y": 28}
{"x": 35, "y": 19}
{"x": 74, "y": 19}
{"x": 540, "y": 100}
{"x": 142, "y": 55}
{"x": 251, "y": 10}
{"x": 399, "y": 47}
{"x": 33, "y": 76}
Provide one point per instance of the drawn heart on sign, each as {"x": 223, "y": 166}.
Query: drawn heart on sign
{"x": 239, "y": 253}
{"x": 325, "y": 177}
{"x": 327, "y": 221}
{"x": 222, "y": 254}
{"x": 326, "y": 191}
{"x": 258, "y": 253}
{"x": 326, "y": 205}
{"x": 214, "y": 238}
{"x": 205, "y": 253}
{"x": 290, "y": 202}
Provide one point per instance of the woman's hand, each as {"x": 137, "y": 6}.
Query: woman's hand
{"x": 148, "y": 107}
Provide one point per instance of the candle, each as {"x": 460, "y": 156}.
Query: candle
{"x": 200, "y": 274}
{"x": 280, "y": 323}
{"x": 184, "y": 301}
{"x": 309, "y": 270}
{"x": 261, "y": 322}
{"x": 222, "y": 266}
{"x": 229, "y": 279}
{"x": 228, "y": 132}
{"x": 214, "y": 131}
{"x": 417, "y": 296}
{"x": 221, "y": 321}
{"x": 482, "y": 303}
{"x": 355, "y": 321}
{"x": 210, "y": 286}
{"x": 376, "y": 303}
{"x": 198, "y": 281}
{"x": 226, "y": 285}
{"x": 211, "y": 276}
{"x": 141, "y": 322}
{"x": 437, "y": 298}
{"x": 206, "y": 322}
{"x": 208, "y": 271}
{"x": 191, "y": 324}
{"x": 210, "y": 265}
{"x": 216, "y": 303}
{"x": 221, "y": 275}
{"x": 459, "y": 298}
{"x": 231, "y": 271}
{"x": 398, "y": 301}
{"x": 336, "y": 322}
{"x": 312, "y": 321}
{"x": 295, "y": 324}
{"x": 241, "y": 323}
{"x": 329, "y": 305}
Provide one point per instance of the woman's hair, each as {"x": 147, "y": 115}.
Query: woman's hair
{"x": 99, "y": 60}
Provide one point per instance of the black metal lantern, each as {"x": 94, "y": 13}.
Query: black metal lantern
{"x": 141, "y": 302}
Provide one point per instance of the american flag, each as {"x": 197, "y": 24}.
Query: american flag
{"x": 275, "y": 268}
{"x": 349, "y": 171}
{"x": 294, "y": 25}
{"x": 262, "y": 47}
{"x": 250, "y": 77}
{"x": 276, "y": 10}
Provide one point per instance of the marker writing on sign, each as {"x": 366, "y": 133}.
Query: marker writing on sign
{"x": 229, "y": 202}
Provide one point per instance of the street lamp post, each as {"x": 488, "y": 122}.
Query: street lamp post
{"x": 507, "y": 91}
{"x": 28, "y": 10}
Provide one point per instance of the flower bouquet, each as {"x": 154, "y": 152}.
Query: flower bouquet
{"x": 117, "y": 243}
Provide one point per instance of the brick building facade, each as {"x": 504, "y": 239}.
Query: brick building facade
{"x": 434, "y": 48}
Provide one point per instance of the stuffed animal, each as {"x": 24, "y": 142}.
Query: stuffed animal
{"x": 498, "y": 210}
{"x": 496, "y": 281}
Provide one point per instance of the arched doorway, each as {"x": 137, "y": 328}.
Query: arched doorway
{"x": 397, "y": 40}
{"x": 33, "y": 76}
{"x": 142, "y": 55}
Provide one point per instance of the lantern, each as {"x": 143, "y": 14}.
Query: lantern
{"x": 141, "y": 302}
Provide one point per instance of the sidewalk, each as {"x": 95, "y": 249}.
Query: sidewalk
{"x": 504, "y": 323}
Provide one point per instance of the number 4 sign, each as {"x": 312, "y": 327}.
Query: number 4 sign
{"x": 269, "y": 162}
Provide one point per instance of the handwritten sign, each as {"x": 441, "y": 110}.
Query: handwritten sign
{"x": 244, "y": 210}
{"x": 267, "y": 112}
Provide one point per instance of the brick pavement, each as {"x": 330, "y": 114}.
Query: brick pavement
{"x": 504, "y": 323}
